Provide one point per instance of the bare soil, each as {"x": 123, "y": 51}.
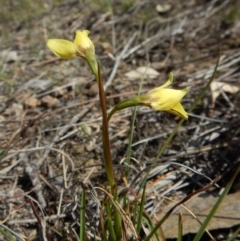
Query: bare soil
{"x": 50, "y": 119}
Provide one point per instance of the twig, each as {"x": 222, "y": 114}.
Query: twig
{"x": 34, "y": 220}
{"x": 118, "y": 60}
{"x": 32, "y": 171}
{"x": 62, "y": 131}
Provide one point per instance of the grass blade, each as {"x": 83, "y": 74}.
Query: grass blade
{"x": 234, "y": 235}
{"x": 82, "y": 216}
{"x": 180, "y": 227}
{"x": 139, "y": 224}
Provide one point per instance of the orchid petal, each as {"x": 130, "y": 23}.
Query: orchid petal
{"x": 62, "y": 48}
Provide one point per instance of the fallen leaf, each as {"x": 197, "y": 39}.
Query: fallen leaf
{"x": 217, "y": 87}
{"x": 163, "y": 8}
{"x": 37, "y": 84}
{"x": 141, "y": 71}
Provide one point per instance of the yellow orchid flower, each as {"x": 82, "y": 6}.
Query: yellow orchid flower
{"x": 82, "y": 46}
{"x": 165, "y": 99}
{"x": 161, "y": 99}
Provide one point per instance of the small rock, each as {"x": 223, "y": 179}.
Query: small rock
{"x": 49, "y": 101}
{"x": 107, "y": 47}
{"x": 32, "y": 102}
{"x": 14, "y": 110}
{"x": 9, "y": 56}
{"x": 2, "y": 118}
{"x": 59, "y": 91}
{"x": 93, "y": 89}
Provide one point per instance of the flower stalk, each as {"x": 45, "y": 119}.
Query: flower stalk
{"x": 105, "y": 135}
{"x": 107, "y": 155}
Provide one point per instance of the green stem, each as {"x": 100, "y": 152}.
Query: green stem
{"x": 92, "y": 63}
{"x": 123, "y": 105}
